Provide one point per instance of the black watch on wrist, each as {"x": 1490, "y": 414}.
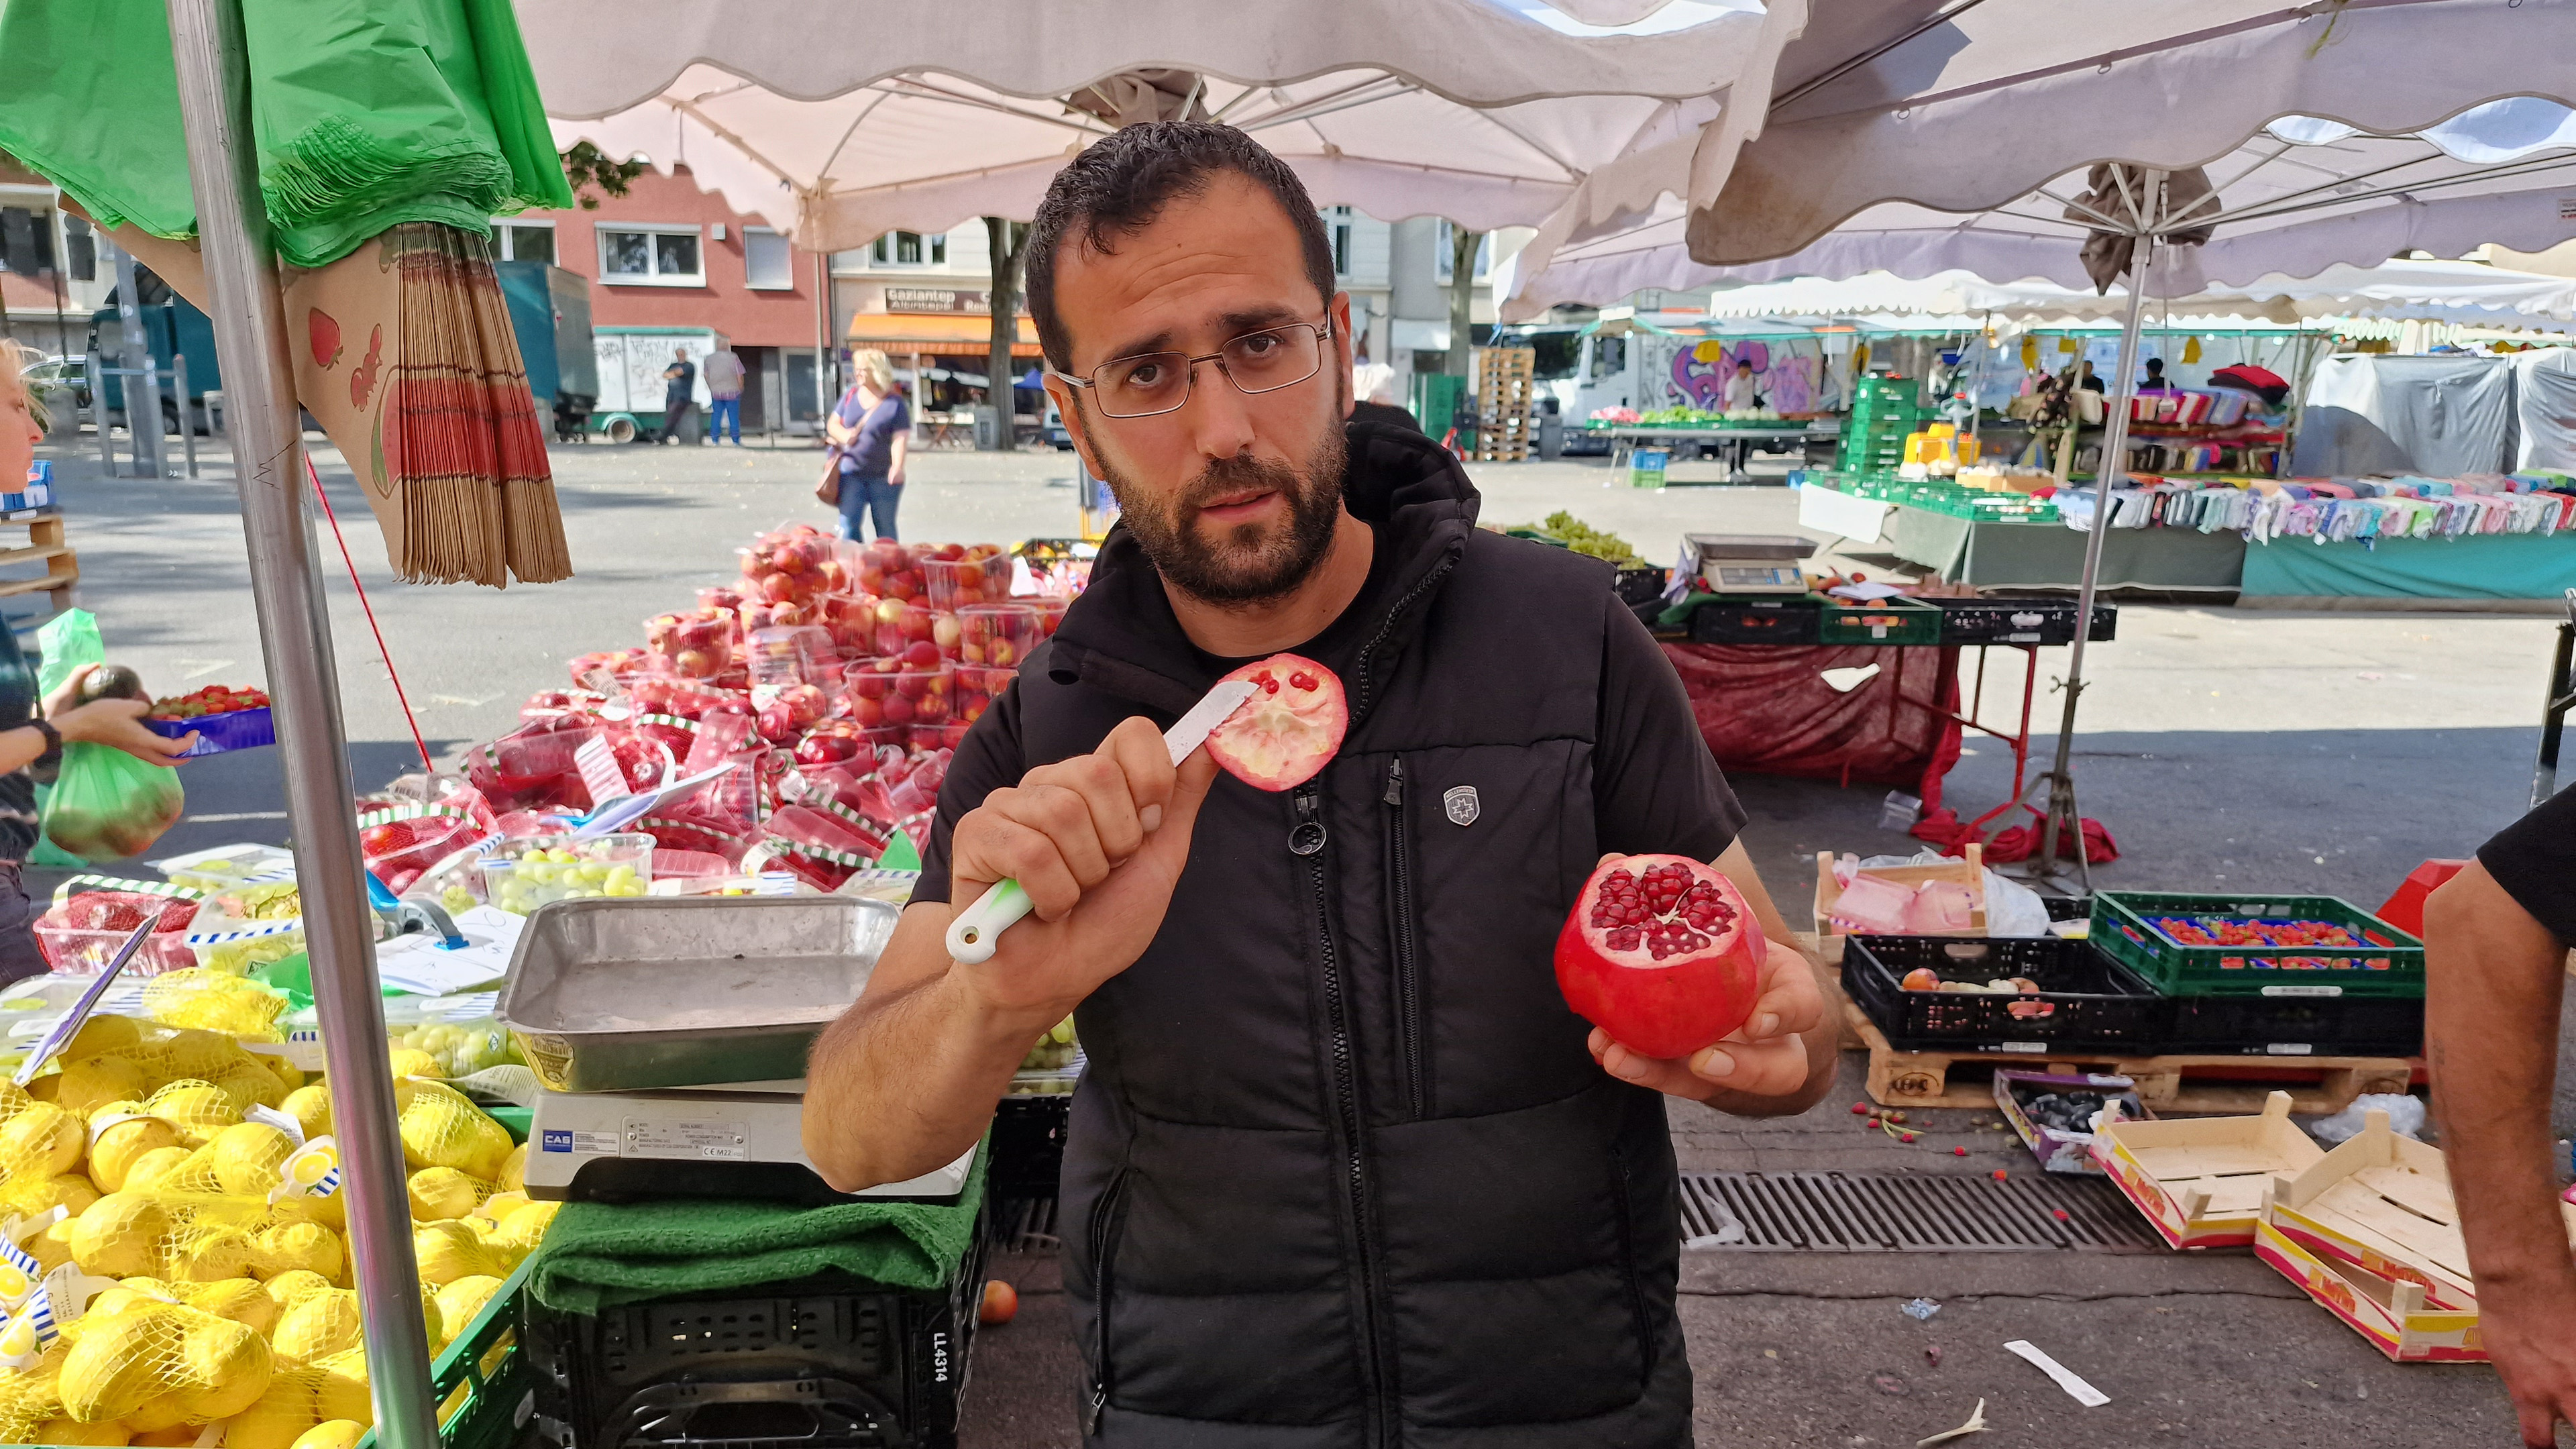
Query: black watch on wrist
{"x": 52, "y": 758}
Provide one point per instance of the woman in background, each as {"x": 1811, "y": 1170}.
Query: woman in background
{"x": 29, "y": 738}
{"x": 873, "y": 429}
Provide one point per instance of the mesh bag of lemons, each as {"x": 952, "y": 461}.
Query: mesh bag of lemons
{"x": 200, "y": 1177}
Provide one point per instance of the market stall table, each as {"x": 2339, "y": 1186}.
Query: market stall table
{"x": 1740, "y": 438}
{"x": 1998, "y": 554}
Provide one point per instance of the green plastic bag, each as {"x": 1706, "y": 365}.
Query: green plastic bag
{"x": 105, "y": 804}
{"x": 368, "y": 113}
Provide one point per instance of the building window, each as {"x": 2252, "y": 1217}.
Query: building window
{"x": 910, "y": 249}
{"x": 1337, "y": 225}
{"x": 767, "y": 262}
{"x": 1446, "y": 248}
{"x": 524, "y": 241}
{"x": 26, "y": 240}
{"x": 655, "y": 256}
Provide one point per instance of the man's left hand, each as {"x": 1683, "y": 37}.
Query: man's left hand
{"x": 1766, "y": 1057}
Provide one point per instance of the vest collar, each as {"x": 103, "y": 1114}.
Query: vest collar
{"x": 1121, "y": 636}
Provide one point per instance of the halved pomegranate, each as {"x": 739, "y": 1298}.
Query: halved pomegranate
{"x": 1661, "y": 953}
{"x": 1288, "y": 730}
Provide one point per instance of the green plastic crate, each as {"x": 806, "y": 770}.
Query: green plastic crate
{"x": 482, "y": 1382}
{"x": 1884, "y": 621}
{"x": 2120, "y": 927}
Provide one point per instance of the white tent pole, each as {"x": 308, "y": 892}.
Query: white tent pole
{"x": 2114, "y": 466}
{"x": 295, "y": 639}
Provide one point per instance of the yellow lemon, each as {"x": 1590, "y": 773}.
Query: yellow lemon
{"x": 333, "y": 1434}
{"x": 122, "y": 1143}
{"x": 441, "y": 1192}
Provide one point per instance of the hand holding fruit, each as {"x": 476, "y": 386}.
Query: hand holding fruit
{"x": 113, "y": 720}
{"x": 1098, "y": 842}
{"x": 1667, "y": 950}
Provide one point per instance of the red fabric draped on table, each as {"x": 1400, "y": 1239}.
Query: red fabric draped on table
{"x": 1768, "y": 710}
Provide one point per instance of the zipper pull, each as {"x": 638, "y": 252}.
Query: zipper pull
{"x": 1306, "y": 837}
{"x": 1395, "y": 781}
{"x": 1093, "y": 1403}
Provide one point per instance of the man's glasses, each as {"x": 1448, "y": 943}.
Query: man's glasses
{"x": 1159, "y": 382}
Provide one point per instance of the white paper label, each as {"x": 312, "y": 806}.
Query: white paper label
{"x": 2303, "y": 991}
{"x": 2021, "y": 1046}
{"x": 2289, "y": 1049}
{"x": 688, "y": 1141}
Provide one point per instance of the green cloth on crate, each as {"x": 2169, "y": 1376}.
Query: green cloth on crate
{"x": 368, "y": 113}
{"x": 597, "y": 1256}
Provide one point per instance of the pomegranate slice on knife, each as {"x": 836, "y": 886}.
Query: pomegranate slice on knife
{"x": 1286, "y": 733}
{"x": 1661, "y": 953}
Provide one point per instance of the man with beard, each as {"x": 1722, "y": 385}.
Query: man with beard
{"x": 1344, "y": 1169}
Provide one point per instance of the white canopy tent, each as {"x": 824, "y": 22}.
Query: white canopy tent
{"x": 838, "y": 124}
{"x": 2432, "y": 291}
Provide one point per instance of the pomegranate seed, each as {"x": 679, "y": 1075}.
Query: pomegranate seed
{"x": 1859, "y": 1107}
{"x": 2001, "y": 1175}
{"x": 1302, "y": 680}
{"x": 1958, "y": 1152}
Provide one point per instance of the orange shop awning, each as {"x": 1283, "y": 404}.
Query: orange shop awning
{"x": 948, "y": 333}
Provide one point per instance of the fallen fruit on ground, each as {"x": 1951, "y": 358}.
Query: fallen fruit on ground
{"x": 1001, "y": 1302}
{"x": 1662, "y": 953}
{"x": 1287, "y": 732}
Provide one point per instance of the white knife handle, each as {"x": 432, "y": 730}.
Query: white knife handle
{"x": 978, "y": 928}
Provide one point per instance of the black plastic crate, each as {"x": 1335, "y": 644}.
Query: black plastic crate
{"x": 1641, "y": 585}
{"x": 2020, "y": 619}
{"x": 1028, "y": 1146}
{"x": 830, "y": 1362}
{"x": 2085, "y": 1000}
{"x": 2300, "y": 1026}
{"x": 1788, "y": 619}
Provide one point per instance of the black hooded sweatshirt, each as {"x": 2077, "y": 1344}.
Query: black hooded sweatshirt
{"x": 1341, "y": 1172}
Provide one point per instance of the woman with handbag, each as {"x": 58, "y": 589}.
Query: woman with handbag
{"x": 871, "y": 433}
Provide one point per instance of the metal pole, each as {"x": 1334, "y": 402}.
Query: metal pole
{"x": 295, "y": 638}
{"x": 136, "y": 354}
{"x": 187, "y": 424}
{"x": 98, "y": 410}
{"x": 824, "y": 389}
{"x": 2114, "y": 466}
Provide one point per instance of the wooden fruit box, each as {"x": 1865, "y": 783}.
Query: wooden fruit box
{"x": 1969, "y": 872}
{"x": 2204, "y": 1182}
{"x": 2394, "y": 1313}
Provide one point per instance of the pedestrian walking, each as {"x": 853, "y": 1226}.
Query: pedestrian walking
{"x": 679, "y": 394}
{"x": 724, "y": 395}
{"x": 872, "y": 427}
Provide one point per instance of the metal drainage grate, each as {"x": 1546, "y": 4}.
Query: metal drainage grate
{"x": 1854, "y": 1212}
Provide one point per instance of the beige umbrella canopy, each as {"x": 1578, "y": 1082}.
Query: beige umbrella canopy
{"x": 839, "y": 123}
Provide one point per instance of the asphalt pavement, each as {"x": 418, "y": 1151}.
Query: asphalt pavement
{"x": 2324, "y": 753}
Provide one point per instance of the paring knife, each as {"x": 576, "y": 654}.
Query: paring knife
{"x": 977, "y": 930}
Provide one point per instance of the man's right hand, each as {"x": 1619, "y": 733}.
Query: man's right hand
{"x": 1098, "y": 842}
{"x": 2530, "y": 1335}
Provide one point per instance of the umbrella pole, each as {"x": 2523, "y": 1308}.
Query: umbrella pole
{"x": 2061, "y": 814}
{"x": 295, "y": 638}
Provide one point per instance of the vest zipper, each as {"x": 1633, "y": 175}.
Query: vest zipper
{"x": 1403, "y": 941}
{"x": 1104, "y": 1228}
{"x": 1386, "y": 626}
{"x": 1307, "y": 839}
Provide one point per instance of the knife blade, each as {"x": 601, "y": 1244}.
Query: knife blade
{"x": 976, "y": 932}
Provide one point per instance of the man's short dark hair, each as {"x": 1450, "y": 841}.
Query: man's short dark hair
{"x": 1118, "y": 185}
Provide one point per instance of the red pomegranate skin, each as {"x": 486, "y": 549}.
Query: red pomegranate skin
{"x": 1663, "y": 1010}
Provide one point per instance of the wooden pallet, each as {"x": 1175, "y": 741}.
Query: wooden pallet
{"x": 44, "y": 545}
{"x": 2168, "y": 1085}
{"x": 1504, "y": 395}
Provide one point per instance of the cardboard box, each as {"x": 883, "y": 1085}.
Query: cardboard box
{"x": 2059, "y": 1150}
{"x": 2204, "y": 1182}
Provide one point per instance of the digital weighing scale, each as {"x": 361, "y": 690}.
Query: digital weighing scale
{"x": 737, "y": 1140}
{"x": 1757, "y": 563}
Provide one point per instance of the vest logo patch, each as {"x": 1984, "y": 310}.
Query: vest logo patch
{"x": 1459, "y": 803}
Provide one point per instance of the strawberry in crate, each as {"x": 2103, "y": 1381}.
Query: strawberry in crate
{"x": 82, "y": 932}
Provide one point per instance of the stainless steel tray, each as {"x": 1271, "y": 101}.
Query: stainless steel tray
{"x": 623, "y": 995}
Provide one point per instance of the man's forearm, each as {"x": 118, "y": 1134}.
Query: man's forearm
{"x": 912, "y": 1082}
{"x": 2493, "y": 982}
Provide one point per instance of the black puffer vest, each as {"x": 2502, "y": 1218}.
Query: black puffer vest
{"x": 1342, "y": 1173}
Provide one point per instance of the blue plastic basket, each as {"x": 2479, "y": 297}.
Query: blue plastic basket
{"x": 240, "y": 729}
